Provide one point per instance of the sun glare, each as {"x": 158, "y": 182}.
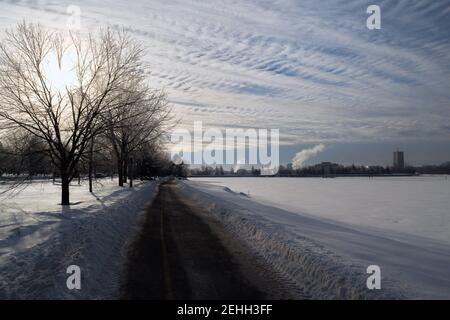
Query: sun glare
{"x": 60, "y": 75}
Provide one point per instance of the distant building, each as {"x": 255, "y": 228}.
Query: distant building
{"x": 399, "y": 160}
{"x": 326, "y": 168}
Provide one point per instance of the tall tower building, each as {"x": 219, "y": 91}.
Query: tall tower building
{"x": 399, "y": 160}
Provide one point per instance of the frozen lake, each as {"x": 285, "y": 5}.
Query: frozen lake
{"x": 414, "y": 205}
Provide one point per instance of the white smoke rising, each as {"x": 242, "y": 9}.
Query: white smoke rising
{"x": 302, "y": 156}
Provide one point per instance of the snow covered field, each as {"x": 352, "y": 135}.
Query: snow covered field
{"x": 39, "y": 239}
{"x": 414, "y": 205}
{"x": 327, "y": 228}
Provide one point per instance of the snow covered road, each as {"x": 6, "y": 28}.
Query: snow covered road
{"x": 182, "y": 253}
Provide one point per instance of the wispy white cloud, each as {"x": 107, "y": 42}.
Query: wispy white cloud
{"x": 311, "y": 69}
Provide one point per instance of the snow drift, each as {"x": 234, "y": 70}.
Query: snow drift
{"x": 323, "y": 257}
{"x": 313, "y": 270}
{"x": 37, "y": 247}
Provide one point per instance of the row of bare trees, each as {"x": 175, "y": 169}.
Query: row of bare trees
{"x": 79, "y": 98}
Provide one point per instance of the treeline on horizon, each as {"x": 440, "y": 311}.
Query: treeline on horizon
{"x": 148, "y": 162}
{"x": 322, "y": 169}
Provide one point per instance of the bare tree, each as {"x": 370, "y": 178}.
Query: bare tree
{"x": 23, "y": 155}
{"x": 58, "y": 88}
{"x": 142, "y": 120}
{"x": 151, "y": 159}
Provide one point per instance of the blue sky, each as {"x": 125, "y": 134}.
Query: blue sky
{"x": 309, "y": 68}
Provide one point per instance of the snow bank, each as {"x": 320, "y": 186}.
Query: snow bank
{"x": 329, "y": 258}
{"x": 39, "y": 239}
{"x": 313, "y": 270}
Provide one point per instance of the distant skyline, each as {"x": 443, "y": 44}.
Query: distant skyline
{"x": 312, "y": 70}
{"x": 376, "y": 153}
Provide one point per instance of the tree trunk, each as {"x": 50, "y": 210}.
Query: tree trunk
{"x": 130, "y": 172}
{"x": 91, "y": 157}
{"x": 120, "y": 172}
{"x": 125, "y": 170}
{"x": 90, "y": 176}
{"x": 65, "y": 195}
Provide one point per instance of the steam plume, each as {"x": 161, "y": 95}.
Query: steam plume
{"x": 301, "y": 157}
